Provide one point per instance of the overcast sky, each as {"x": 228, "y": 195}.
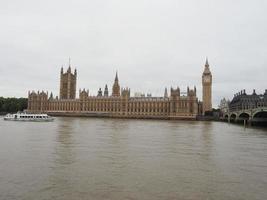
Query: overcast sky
{"x": 153, "y": 44}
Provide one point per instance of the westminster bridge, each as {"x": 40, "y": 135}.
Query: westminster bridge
{"x": 247, "y": 115}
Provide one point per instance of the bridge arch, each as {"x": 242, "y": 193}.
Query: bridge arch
{"x": 244, "y": 116}
{"x": 233, "y": 117}
{"x": 260, "y": 118}
{"x": 260, "y": 114}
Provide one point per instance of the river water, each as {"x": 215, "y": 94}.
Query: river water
{"x": 93, "y": 158}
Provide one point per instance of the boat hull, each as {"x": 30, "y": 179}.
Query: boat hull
{"x": 30, "y": 120}
{"x": 25, "y": 117}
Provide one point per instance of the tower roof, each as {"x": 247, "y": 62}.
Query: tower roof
{"x": 207, "y": 62}
{"x": 69, "y": 69}
{"x": 116, "y": 77}
{"x": 116, "y": 86}
{"x": 207, "y": 67}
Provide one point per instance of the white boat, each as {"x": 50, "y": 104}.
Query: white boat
{"x": 29, "y": 117}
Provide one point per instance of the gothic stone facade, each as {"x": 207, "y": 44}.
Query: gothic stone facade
{"x": 118, "y": 104}
{"x": 68, "y": 84}
{"x": 207, "y": 88}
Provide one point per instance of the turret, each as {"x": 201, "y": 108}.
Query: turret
{"x": 254, "y": 92}
{"x": 51, "y": 96}
{"x": 83, "y": 94}
{"x": 191, "y": 93}
{"x": 106, "y": 91}
{"x": 99, "y": 93}
{"x": 69, "y": 69}
{"x": 116, "y": 87}
{"x": 175, "y": 92}
{"x": 165, "y": 93}
{"x": 125, "y": 92}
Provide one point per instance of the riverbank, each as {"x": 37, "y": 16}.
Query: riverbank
{"x": 119, "y": 116}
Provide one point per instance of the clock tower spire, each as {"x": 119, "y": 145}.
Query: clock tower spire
{"x": 207, "y": 88}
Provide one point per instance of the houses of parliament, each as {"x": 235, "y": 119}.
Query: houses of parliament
{"x": 120, "y": 103}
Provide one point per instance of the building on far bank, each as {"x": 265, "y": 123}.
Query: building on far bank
{"x": 224, "y": 106}
{"x": 120, "y": 103}
{"x": 244, "y": 101}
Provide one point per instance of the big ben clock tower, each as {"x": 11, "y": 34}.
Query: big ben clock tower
{"x": 206, "y": 88}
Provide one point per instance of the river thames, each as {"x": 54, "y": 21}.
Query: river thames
{"x": 93, "y": 158}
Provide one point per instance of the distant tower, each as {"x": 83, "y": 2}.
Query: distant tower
{"x": 99, "y": 93}
{"x": 166, "y": 93}
{"x": 106, "y": 91}
{"x": 207, "y": 88}
{"x": 116, "y": 87}
{"x": 68, "y": 84}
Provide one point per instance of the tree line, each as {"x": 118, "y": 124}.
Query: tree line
{"x": 12, "y": 105}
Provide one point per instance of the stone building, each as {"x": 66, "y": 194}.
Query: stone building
{"x": 244, "y": 101}
{"x": 120, "y": 103}
{"x": 224, "y": 106}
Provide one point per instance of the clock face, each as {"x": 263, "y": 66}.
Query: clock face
{"x": 206, "y": 79}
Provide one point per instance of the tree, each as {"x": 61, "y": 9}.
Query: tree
{"x": 13, "y": 104}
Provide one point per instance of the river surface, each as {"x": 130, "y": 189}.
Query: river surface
{"x": 93, "y": 158}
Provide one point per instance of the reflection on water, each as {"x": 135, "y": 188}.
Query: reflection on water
{"x": 64, "y": 140}
{"x": 63, "y": 158}
{"x": 87, "y": 158}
